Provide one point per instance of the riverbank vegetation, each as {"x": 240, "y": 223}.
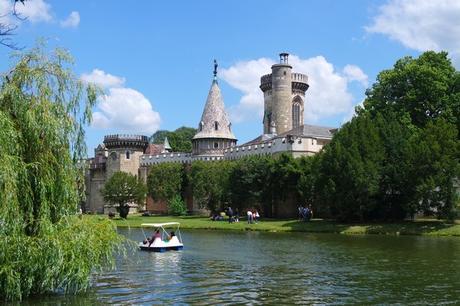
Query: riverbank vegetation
{"x": 44, "y": 246}
{"x": 397, "y": 157}
{"x": 420, "y": 227}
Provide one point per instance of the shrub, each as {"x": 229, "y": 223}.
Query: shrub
{"x": 177, "y": 206}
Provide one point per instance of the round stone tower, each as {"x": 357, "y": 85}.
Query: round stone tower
{"x": 124, "y": 152}
{"x": 284, "y": 97}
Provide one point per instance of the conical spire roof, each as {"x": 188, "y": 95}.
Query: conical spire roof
{"x": 167, "y": 146}
{"x": 214, "y": 120}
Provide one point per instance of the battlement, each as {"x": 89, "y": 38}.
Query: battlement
{"x": 183, "y": 158}
{"x": 122, "y": 140}
{"x": 299, "y": 82}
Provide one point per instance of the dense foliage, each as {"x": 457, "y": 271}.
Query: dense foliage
{"x": 176, "y": 206}
{"x": 123, "y": 189}
{"x": 165, "y": 181}
{"x": 420, "y": 90}
{"x": 180, "y": 139}
{"x": 44, "y": 246}
{"x": 397, "y": 157}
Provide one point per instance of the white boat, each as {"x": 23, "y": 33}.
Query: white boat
{"x": 163, "y": 241}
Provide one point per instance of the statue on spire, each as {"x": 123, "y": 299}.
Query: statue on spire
{"x": 215, "y": 70}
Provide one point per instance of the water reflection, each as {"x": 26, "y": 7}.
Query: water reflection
{"x": 266, "y": 268}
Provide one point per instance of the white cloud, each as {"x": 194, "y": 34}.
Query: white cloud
{"x": 245, "y": 76}
{"x": 327, "y": 96}
{"x": 105, "y": 80}
{"x": 128, "y": 110}
{"x": 421, "y": 24}
{"x": 121, "y": 108}
{"x": 72, "y": 21}
{"x": 354, "y": 73}
{"x": 34, "y": 10}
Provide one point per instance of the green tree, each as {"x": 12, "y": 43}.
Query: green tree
{"x": 176, "y": 206}
{"x": 249, "y": 183}
{"x": 180, "y": 139}
{"x": 436, "y": 163}
{"x": 123, "y": 189}
{"x": 210, "y": 184}
{"x": 165, "y": 181}
{"x": 44, "y": 246}
{"x": 423, "y": 89}
{"x": 350, "y": 170}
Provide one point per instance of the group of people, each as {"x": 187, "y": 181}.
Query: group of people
{"x": 157, "y": 235}
{"x": 253, "y": 216}
{"x": 305, "y": 212}
{"x": 233, "y": 215}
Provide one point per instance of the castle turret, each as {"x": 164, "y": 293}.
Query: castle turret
{"x": 124, "y": 152}
{"x": 284, "y": 96}
{"x": 214, "y": 129}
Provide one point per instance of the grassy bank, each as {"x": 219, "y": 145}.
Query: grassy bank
{"x": 421, "y": 227}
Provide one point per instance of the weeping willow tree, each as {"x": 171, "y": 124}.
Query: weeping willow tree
{"x": 44, "y": 246}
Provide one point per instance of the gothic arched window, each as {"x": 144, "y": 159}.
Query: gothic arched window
{"x": 296, "y": 103}
{"x": 201, "y": 126}
{"x": 216, "y": 125}
{"x": 127, "y": 155}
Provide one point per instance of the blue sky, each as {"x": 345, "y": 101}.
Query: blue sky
{"x": 154, "y": 58}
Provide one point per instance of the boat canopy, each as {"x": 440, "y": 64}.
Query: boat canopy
{"x": 159, "y": 224}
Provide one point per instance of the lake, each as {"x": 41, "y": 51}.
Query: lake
{"x": 225, "y": 267}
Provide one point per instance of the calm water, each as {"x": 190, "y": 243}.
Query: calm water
{"x": 268, "y": 268}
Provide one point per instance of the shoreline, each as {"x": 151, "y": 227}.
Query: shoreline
{"x": 424, "y": 227}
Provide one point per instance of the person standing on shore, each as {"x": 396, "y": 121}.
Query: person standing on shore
{"x": 249, "y": 216}
{"x": 230, "y": 214}
{"x": 256, "y": 216}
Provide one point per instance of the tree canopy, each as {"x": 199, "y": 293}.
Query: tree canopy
{"x": 165, "y": 181}
{"x": 180, "y": 139}
{"x": 419, "y": 89}
{"x": 45, "y": 246}
{"x": 123, "y": 189}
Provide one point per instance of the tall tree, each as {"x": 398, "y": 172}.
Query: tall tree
{"x": 210, "y": 183}
{"x": 423, "y": 89}
{"x": 41, "y": 181}
{"x": 165, "y": 181}
{"x": 123, "y": 189}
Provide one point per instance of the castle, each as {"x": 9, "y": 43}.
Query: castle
{"x": 283, "y": 131}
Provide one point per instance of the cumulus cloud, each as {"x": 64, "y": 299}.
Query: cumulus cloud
{"x": 121, "y": 108}
{"x": 354, "y": 73}
{"x": 327, "y": 96}
{"x": 103, "y": 79}
{"x": 421, "y": 24}
{"x": 128, "y": 110}
{"x": 245, "y": 76}
{"x": 72, "y": 21}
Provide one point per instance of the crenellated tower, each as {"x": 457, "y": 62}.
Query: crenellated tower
{"x": 124, "y": 152}
{"x": 284, "y": 97}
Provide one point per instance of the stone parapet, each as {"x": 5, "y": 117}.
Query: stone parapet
{"x": 126, "y": 141}
{"x": 183, "y": 158}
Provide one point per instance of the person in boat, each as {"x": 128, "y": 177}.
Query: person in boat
{"x": 171, "y": 235}
{"x": 156, "y": 235}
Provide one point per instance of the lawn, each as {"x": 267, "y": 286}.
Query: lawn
{"x": 421, "y": 227}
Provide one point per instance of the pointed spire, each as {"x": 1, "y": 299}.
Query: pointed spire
{"x": 214, "y": 121}
{"x": 166, "y": 145}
